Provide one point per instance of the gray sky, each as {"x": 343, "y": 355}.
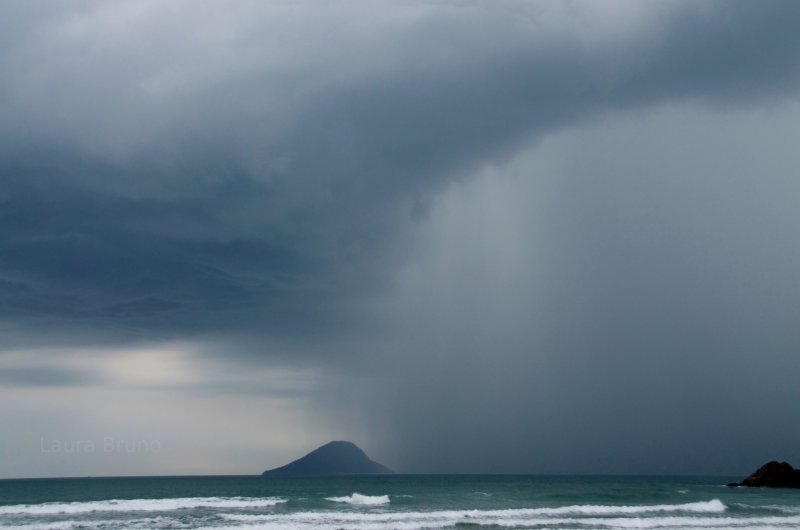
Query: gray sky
{"x": 469, "y": 236}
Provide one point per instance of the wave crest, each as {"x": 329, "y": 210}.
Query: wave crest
{"x": 598, "y": 516}
{"x": 139, "y": 505}
{"x": 712, "y": 506}
{"x": 361, "y": 500}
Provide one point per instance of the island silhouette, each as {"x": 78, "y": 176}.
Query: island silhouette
{"x": 333, "y": 458}
{"x": 773, "y": 474}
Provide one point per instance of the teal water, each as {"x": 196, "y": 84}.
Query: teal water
{"x": 386, "y": 502}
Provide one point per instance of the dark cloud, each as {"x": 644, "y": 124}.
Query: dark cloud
{"x": 250, "y": 204}
{"x": 260, "y": 172}
{"x": 76, "y": 255}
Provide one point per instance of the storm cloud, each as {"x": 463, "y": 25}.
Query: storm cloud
{"x": 254, "y": 174}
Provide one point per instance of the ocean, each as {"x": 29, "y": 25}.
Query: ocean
{"x": 392, "y": 502}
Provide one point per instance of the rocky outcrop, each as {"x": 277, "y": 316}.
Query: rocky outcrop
{"x": 772, "y": 475}
{"x": 333, "y": 458}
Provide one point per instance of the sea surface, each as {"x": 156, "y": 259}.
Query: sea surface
{"x": 386, "y": 502}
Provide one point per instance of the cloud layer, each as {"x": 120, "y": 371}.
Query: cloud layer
{"x": 189, "y": 167}
{"x": 260, "y": 174}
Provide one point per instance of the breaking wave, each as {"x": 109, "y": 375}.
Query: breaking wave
{"x": 253, "y": 513}
{"x": 139, "y": 505}
{"x": 361, "y": 500}
{"x": 599, "y": 516}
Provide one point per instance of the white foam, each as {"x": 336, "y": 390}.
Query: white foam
{"x": 712, "y": 506}
{"x": 59, "y": 525}
{"x": 420, "y": 520}
{"x": 145, "y": 523}
{"x": 361, "y": 500}
{"x": 685, "y": 522}
{"x": 432, "y": 520}
{"x": 678, "y": 518}
{"x": 581, "y": 515}
{"x": 139, "y": 505}
{"x": 697, "y": 515}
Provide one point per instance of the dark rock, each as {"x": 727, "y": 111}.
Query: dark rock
{"x": 772, "y": 475}
{"x": 333, "y": 458}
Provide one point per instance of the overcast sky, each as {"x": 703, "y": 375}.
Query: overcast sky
{"x": 507, "y": 236}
